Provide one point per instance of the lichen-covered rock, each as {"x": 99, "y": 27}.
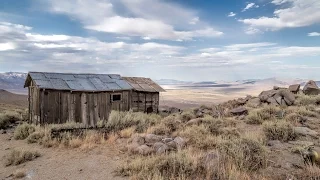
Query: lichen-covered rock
{"x": 311, "y": 88}
{"x": 288, "y": 96}
{"x": 265, "y": 95}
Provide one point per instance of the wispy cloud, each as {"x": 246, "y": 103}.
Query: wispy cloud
{"x": 298, "y": 13}
{"x": 132, "y": 18}
{"x": 314, "y": 34}
{"x": 249, "y": 6}
{"x": 232, "y": 14}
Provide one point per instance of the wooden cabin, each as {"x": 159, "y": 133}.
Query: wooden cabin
{"x": 56, "y": 98}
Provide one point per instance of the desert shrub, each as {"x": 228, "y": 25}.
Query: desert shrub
{"x": 187, "y": 116}
{"x": 199, "y": 137}
{"x": 261, "y": 115}
{"x": 121, "y": 120}
{"x": 219, "y": 126}
{"x": 279, "y": 130}
{"x": 23, "y": 131}
{"x": 247, "y": 154}
{"x": 18, "y": 157}
{"x": 126, "y": 133}
{"x": 178, "y": 165}
{"x": 303, "y": 111}
{"x": 35, "y": 137}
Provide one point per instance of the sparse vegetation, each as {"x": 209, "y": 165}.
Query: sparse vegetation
{"x": 17, "y": 157}
{"x": 264, "y": 114}
{"x": 279, "y": 130}
{"x": 8, "y": 118}
{"x": 19, "y": 174}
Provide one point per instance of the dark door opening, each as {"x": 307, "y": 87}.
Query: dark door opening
{"x": 149, "y": 110}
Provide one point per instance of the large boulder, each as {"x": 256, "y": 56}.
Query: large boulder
{"x": 311, "y": 88}
{"x": 288, "y": 96}
{"x": 239, "y": 111}
{"x": 254, "y": 102}
{"x": 265, "y": 95}
{"x": 294, "y": 88}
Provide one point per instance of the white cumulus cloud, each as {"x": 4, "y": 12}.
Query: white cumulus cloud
{"x": 249, "y": 6}
{"x": 314, "y": 34}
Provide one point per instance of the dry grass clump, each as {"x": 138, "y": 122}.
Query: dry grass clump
{"x": 127, "y": 133}
{"x": 122, "y": 120}
{"x": 279, "y": 130}
{"x": 247, "y": 154}
{"x": 264, "y": 114}
{"x": 187, "y": 116}
{"x": 199, "y": 137}
{"x": 23, "y": 131}
{"x": 35, "y": 137}
{"x": 8, "y": 118}
{"x": 305, "y": 100}
{"x": 180, "y": 165}
{"x": 310, "y": 172}
{"x": 166, "y": 126}
{"x": 18, "y": 157}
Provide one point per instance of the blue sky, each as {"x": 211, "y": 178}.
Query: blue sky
{"x": 177, "y": 39}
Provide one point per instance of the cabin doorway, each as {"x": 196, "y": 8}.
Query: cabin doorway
{"x": 149, "y": 110}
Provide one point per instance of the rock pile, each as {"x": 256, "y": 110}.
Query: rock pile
{"x": 151, "y": 143}
{"x": 277, "y": 97}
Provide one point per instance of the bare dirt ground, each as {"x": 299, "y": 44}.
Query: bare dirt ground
{"x": 61, "y": 163}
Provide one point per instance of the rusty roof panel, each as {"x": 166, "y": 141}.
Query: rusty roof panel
{"x": 143, "y": 84}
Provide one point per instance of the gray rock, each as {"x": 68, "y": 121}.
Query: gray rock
{"x": 265, "y": 95}
{"x": 172, "y": 145}
{"x": 278, "y": 98}
{"x": 239, "y": 111}
{"x": 311, "y": 88}
{"x": 144, "y": 150}
{"x": 166, "y": 140}
{"x": 157, "y": 145}
{"x": 180, "y": 142}
{"x": 287, "y": 96}
{"x": 305, "y": 131}
{"x": 272, "y": 101}
{"x": 254, "y": 102}
{"x": 152, "y": 138}
{"x": 276, "y": 87}
{"x": 137, "y": 139}
{"x": 294, "y": 88}
{"x": 162, "y": 149}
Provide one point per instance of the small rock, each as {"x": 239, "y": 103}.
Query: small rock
{"x": 144, "y": 150}
{"x": 172, "y": 145}
{"x": 241, "y": 117}
{"x": 157, "y": 145}
{"x": 265, "y": 95}
{"x": 254, "y": 102}
{"x": 80, "y": 170}
{"x": 152, "y": 138}
{"x": 273, "y": 143}
{"x": 180, "y": 142}
{"x": 136, "y": 139}
{"x": 305, "y": 131}
{"x": 194, "y": 122}
{"x": 239, "y": 111}
{"x": 276, "y": 87}
{"x": 162, "y": 149}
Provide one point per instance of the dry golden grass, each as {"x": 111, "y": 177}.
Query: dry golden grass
{"x": 260, "y": 115}
{"x": 18, "y": 157}
{"x": 127, "y": 133}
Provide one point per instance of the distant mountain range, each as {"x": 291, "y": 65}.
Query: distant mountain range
{"x": 14, "y": 82}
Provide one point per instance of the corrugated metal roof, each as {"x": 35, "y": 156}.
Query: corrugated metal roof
{"x": 78, "y": 82}
{"x": 143, "y": 84}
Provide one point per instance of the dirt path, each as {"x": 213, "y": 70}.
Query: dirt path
{"x": 60, "y": 163}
